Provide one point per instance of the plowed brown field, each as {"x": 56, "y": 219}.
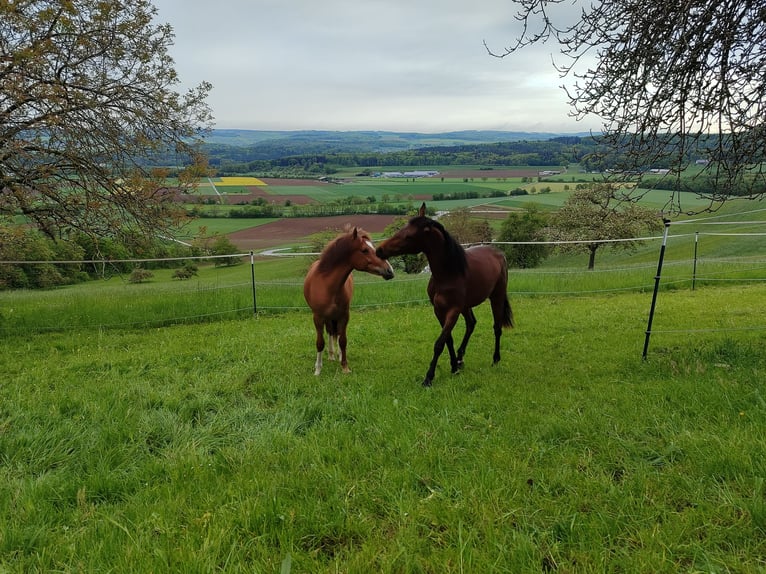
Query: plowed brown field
{"x": 294, "y": 229}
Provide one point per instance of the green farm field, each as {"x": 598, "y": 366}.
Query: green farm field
{"x": 408, "y": 192}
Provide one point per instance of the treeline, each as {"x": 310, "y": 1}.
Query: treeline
{"x": 467, "y": 195}
{"x": 313, "y": 158}
{"x": 308, "y": 210}
{"x": 554, "y": 152}
{"x": 31, "y": 260}
{"x": 590, "y": 152}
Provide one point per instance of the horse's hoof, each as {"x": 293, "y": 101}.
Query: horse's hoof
{"x": 427, "y": 382}
{"x": 346, "y": 370}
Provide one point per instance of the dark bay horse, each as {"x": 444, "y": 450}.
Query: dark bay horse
{"x": 460, "y": 280}
{"x": 329, "y": 286}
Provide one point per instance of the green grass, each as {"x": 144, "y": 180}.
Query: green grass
{"x": 222, "y": 225}
{"x": 212, "y": 447}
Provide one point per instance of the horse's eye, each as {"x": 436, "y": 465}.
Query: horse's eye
{"x": 365, "y": 250}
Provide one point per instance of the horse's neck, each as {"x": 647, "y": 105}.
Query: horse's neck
{"x": 337, "y": 276}
{"x": 435, "y": 252}
{"x": 436, "y": 264}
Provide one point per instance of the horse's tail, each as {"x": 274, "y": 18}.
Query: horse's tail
{"x": 507, "y": 311}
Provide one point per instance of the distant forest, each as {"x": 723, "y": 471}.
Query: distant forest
{"x": 309, "y": 153}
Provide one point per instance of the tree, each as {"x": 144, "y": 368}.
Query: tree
{"x": 528, "y": 226}
{"x": 673, "y": 82}
{"x": 465, "y": 228}
{"x": 595, "y": 215}
{"x": 86, "y": 97}
{"x": 222, "y": 245}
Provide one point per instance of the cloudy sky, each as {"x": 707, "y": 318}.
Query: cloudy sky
{"x": 398, "y": 65}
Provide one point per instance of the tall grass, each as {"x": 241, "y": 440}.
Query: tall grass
{"x": 212, "y": 447}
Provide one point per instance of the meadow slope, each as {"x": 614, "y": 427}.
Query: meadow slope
{"x": 200, "y": 448}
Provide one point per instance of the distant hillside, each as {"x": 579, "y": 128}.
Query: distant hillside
{"x": 275, "y": 144}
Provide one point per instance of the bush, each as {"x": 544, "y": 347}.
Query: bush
{"x": 140, "y": 275}
{"x": 186, "y": 272}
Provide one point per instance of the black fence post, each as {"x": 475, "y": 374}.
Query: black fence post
{"x": 656, "y": 287}
{"x": 694, "y": 271}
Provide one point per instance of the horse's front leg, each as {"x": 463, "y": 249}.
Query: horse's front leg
{"x": 453, "y": 360}
{"x": 445, "y": 338}
{"x": 470, "y": 324}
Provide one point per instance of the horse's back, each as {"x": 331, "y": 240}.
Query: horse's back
{"x": 487, "y": 273}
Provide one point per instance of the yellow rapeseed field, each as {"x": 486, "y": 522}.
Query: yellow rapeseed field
{"x": 239, "y": 181}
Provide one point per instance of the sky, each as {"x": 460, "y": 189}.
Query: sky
{"x": 387, "y": 65}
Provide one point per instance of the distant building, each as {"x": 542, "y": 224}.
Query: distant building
{"x": 406, "y": 174}
{"x": 420, "y": 173}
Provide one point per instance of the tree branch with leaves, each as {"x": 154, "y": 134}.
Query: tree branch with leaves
{"x": 87, "y": 95}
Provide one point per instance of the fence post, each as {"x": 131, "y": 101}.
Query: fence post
{"x": 656, "y": 287}
{"x": 694, "y": 271}
{"x": 252, "y": 278}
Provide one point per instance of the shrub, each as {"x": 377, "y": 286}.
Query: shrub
{"x": 140, "y": 275}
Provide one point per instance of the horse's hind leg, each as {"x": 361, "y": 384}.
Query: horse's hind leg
{"x": 333, "y": 353}
{"x": 342, "y": 341}
{"x": 319, "y": 326}
{"x": 502, "y": 317}
{"x": 470, "y": 325}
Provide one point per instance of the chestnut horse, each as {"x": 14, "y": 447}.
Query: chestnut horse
{"x": 460, "y": 280}
{"x": 329, "y": 286}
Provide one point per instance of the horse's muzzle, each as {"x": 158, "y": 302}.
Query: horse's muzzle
{"x": 388, "y": 272}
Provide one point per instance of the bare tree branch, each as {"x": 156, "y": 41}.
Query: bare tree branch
{"x": 673, "y": 82}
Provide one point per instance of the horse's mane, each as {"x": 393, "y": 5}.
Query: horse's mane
{"x": 339, "y": 248}
{"x": 454, "y": 254}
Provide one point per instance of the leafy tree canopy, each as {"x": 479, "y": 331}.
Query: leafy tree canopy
{"x": 86, "y": 95}
{"x": 526, "y": 229}
{"x": 664, "y": 76}
{"x": 599, "y": 214}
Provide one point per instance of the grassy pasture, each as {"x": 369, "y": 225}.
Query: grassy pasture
{"x": 213, "y": 447}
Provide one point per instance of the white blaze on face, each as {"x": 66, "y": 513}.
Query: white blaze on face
{"x": 371, "y": 246}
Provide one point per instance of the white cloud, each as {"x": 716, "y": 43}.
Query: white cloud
{"x": 378, "y": 65}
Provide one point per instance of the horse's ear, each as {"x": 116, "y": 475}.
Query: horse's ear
{"x": 354, "y": 233}
{"x": 422, "y": 210}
